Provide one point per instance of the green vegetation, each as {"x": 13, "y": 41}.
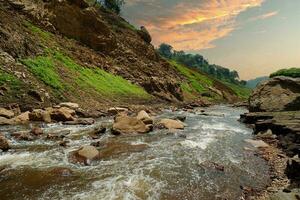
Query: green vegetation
{"x": 43, "y": 34}
{"x": 197, "y": 61}
{"x": 101, "y": 80}
{"x": 197, "y": 82}
{"x": 200, "y": 83}
{"x": 292, "y": 72}
{"x": 112, "y": 5}
{"x": 48, "y": 69}
{"x": 43, "y": 67}
{"x": 9, "y": 80}
{"x": 241, "y": 91}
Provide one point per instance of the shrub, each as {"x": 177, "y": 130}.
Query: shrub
{"x": 292, "y": 72}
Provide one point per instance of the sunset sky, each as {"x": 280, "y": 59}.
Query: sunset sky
{"x": 254, "y": 37}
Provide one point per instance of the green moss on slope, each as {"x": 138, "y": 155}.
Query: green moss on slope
{"x": 44, "y": 35}
{"x": 198, "y": 82}
{"x": 241, "y": 91}
{"x": 9, "y": 80}
{"x": 48, "y": 69}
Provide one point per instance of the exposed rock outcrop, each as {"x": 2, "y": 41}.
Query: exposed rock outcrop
{"x": 277, "y": 94}
{"x": 275, "y": 113}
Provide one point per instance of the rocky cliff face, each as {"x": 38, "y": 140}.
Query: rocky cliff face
{"x": 275, "y": 108}
{"x": 277, "y": 94}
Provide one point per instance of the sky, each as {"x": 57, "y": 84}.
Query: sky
{"x": 254, "y": 37}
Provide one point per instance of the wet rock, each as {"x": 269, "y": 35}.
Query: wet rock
{"x": 172, "y": 124}
{"x": 70, "y": 105}
{"x": 62, "y": 171}
{"x": 144, "y": 116}
{"x": 277, "y": 94}
{"x": 266, "y": 134}
{"x": 4, "y": 144}
{"x": 84, "y": 155}
{"x": 63, "y": 114}
{"x": 129, "y": 125}
{"x": 181, "y": 135}
{"x": 113, "y": 149}
{"x": 180, "y": 118}
{"x": 257, "y": 143}
{"x": 37, "y": 131}
{"x": 63, "y": 143}
{"x": 212, "y": 165}
{"x": 81, "y": 121}
{"x": 293, "y": 169}
{"x": 58, "y": 135}
{"x": 40, "y": 116}
{"x": 6, "y": 113}
{"x": 116, "y": 110}
{"x": 23, "y": 135}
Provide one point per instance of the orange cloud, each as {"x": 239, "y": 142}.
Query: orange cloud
{"x": 188, "y": 25}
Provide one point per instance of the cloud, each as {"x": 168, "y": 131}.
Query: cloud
{"x": 189, "y": 24}
{"x": 264, "y": 16}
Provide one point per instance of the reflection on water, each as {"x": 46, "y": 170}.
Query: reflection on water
{"x": 210, "y": 163}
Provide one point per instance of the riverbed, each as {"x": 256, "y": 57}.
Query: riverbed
{"x": 207, "y": 160}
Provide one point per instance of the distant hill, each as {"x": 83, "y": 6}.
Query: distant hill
{"x": 254, "y": 82}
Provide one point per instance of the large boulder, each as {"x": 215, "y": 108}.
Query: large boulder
{"x": 75, "y": 20}
{"x": 172, "y": 124}
{"x": 84, "y": 155}
{"x": 129, "y": 125}
{"x": 6, "y": 113}
{"x": 277, "y": 94}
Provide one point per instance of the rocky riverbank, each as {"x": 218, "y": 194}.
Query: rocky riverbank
{"x": 275, "y": 117}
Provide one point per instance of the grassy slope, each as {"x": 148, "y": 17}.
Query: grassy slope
{"x": 199, "y": 83}
{"x": 63, "y": 74}
{"x": 292, "y": 72}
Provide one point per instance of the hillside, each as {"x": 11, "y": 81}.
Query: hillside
{"x": 69, "y": 51}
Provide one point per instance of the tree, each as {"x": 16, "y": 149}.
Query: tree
{"x": 166, "y": 50}
{"x": 113, "y": 5}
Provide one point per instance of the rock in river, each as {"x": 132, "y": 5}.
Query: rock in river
{"x": 84, "y": 155}
{"x": 172, "y": 124}
{"x": 144, "y": 116}
{"x": 4, "y": 145}
{"x": 129, "y": 125}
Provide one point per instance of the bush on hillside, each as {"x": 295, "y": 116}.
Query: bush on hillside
{"x": 292, "y": 72}
{"x": 113, "y": 5}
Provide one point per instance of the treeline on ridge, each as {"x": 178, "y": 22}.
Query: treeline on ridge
{"x": 199, "y": 62}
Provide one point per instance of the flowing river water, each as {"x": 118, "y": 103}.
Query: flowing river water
{"x": 212, "y": 162}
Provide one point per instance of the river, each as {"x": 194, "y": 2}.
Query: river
{"x": 211, "y": 162}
